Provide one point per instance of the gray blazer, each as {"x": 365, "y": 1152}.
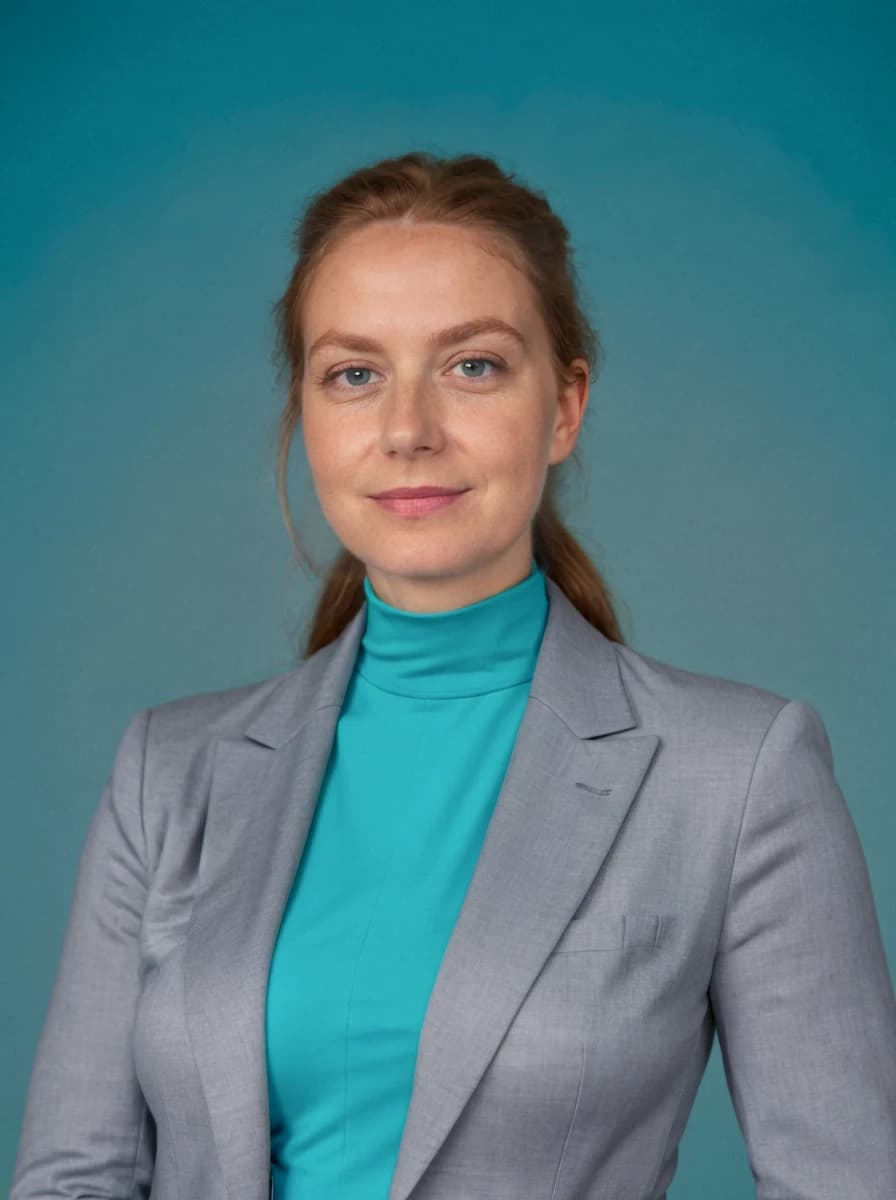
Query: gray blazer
{"x": 670, "y": 857}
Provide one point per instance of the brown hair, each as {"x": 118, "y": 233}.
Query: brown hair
{"x": 473, "y": 191}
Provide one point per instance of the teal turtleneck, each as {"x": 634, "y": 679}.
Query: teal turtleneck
{"x": 422, "y": 744}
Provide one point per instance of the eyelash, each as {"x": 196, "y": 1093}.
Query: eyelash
{"x": 330, "y": 376}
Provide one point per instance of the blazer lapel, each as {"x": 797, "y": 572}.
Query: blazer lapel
{"x": 263, "y": 794}
{"x": 261, "y": 802}
{"x": 519, "y": 900}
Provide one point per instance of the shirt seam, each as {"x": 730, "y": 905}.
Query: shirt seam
{"x": 743, "y": 816}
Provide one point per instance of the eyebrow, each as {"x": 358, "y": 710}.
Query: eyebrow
{"x": 444, "y": 337}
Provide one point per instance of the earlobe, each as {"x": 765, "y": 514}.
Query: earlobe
{"x": 571, "y": 413}
{"x": 572, "y": 399}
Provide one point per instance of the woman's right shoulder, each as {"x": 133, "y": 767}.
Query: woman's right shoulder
{"x": 176, "y": 740}
{"x": 203, "y": 716}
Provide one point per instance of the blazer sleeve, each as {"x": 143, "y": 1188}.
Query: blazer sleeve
{"x": 87, "y": 1130}
{"x": 800, "y": 989}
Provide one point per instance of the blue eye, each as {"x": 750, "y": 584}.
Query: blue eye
{"x": 353, "y": 371}
{"x": 479, "y": 359}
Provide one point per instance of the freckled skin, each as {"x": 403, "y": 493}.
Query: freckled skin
{"x": 408, "y": 414}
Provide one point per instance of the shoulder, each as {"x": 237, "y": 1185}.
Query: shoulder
{"x": 716, "y": 731}
{"x": 199, "y": 717}
{"x": 667, "y": 699}
{"x": 179, "y": 741}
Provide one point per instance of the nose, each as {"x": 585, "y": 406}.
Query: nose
{"x": 411, "y": 419}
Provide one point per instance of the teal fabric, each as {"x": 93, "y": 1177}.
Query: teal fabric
{"x": 422, "y": 745}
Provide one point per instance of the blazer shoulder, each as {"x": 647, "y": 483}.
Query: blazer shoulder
{"x": 201, "y": 716}
{"x": 664, "y": 694}
{"x": 181, "y": 739}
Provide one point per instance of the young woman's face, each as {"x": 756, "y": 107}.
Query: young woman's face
{"x": 389, "y": 400}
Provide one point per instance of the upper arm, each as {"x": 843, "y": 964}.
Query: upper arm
{"x": 800, "y": 989}
{"x": 86, "y": 1128}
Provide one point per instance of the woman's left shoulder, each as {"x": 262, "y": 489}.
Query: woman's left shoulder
{"x": 669, "y": 698}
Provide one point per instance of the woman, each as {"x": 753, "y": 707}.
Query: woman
{"x": 455, "y": 908}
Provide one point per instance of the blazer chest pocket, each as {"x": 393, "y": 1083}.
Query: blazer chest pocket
{"x": 616, "y": 931}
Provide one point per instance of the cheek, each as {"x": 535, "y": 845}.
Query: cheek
{"x": 516, "y": 471}
{"x": 509, "y": 449}
{"x": 332, "y": 457}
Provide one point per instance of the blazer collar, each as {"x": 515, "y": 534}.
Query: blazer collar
{"x": 576, "y": 676}
{"x": 564, "y": 796}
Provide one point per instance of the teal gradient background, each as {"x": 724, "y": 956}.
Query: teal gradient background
{"x": 727, "y": 174}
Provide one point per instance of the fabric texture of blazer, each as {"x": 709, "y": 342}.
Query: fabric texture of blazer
{"x": 670, "y": 858}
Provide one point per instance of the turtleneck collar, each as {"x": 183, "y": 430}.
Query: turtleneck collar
{"x": 466, "y": 651}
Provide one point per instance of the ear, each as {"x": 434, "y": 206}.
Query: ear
{"x": 572, "y": 400}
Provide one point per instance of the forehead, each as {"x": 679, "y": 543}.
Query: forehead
{"x": 418, "y": 274}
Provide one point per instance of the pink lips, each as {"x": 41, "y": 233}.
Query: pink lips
{"x": 417, "y": 506}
